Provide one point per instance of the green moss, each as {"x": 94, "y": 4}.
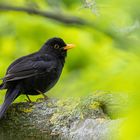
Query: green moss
{"x": 53, "y": 117}
{"x": 27, "y": 110}
{"x": 94, "y": 105}
{"x": 77, "y": 109}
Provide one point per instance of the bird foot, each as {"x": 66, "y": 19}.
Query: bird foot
{"x": 40, "y": 100}
{"x": 28, "y": 101}
{"x": 46, "y": 97}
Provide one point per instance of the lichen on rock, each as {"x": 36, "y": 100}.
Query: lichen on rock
{"x": 88, "y": 117}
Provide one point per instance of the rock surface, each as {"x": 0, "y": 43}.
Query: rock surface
{"x": 89, "y": 118}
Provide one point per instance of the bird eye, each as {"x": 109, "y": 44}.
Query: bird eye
{"x": 56, "y": 46}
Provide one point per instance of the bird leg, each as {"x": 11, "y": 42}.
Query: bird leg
{"x": 29, "y": 100}
{"x": 45, "y": 97}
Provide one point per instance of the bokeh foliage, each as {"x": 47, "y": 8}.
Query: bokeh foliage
{"x": 107, "y": 55}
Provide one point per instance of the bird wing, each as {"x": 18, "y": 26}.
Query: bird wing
{"x": 21, "y": 59}
{"x": 28, "y": 67}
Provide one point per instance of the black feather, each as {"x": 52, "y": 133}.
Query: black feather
{"x": 11, "y": 94}
{"x": 35, "y": 72}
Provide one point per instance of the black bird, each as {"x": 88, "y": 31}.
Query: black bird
{"x": 35, "y": 73}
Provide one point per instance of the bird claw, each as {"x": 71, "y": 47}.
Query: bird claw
{"x": 40, "y": 100}
{"x": 46, "y": 97}
{"x": 28, "y": 101}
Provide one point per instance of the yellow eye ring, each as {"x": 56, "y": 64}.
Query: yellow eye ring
{"x": 56, "y": 46}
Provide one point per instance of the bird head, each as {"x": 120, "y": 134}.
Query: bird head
{"x": 56, "y": 46}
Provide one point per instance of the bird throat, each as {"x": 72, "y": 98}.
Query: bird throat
{"x": 62, "y": 59}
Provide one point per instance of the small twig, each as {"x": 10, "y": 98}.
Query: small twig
{"x": 65, "y": 19}
{"x": 55, "y": 16}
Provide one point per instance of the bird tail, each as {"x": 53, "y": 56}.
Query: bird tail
{"x": 10, "y": 96}
{"x": 1, "y": 86}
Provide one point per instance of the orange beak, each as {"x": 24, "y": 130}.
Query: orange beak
{"x": 69, "y": 46}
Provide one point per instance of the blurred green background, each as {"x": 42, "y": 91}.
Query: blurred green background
{"x": 107, "y": 53}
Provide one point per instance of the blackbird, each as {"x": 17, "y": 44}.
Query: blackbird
{"x": 35, "y": 73}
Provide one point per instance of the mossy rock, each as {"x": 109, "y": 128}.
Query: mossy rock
{"x": 65, "y": 118}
